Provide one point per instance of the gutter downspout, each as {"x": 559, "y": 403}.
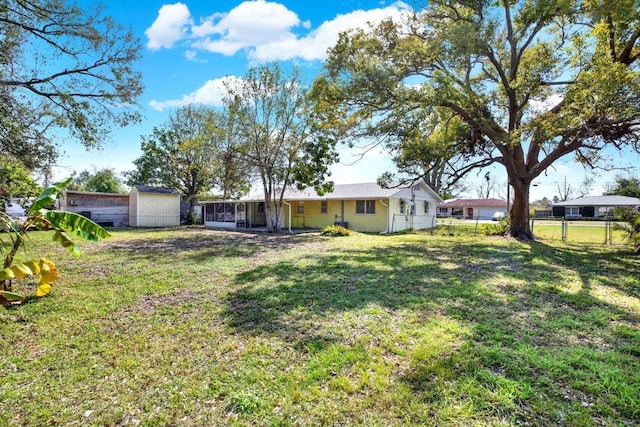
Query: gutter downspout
{"x": 386, "y": 220}
{"x": 289, "y": 215}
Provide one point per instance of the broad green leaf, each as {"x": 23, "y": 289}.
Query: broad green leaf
{"x": 76, "y": 224}
{"x": 48, "y": 196}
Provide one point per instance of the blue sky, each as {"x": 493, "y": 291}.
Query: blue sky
{"x": 190, "y": 46}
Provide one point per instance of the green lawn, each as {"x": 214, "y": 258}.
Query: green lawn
{"x": 201, "y": 327}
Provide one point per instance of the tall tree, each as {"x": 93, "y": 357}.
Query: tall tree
{"x": 626, "y": 186}
{"x": 186, "y": 153}
{"x": 272, "y": 115}
{"x": 15, "y": 182}
{"x": 532, "y": 82}
{"x": 62, "y": 67}
{"x": 102, "y": 181}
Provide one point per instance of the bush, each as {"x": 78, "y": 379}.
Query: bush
{"x": 336, "y": 230}
{"x": 632, "y": 226}
{"x": 498, "y": 229}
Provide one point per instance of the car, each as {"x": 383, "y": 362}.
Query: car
{"x": 498, "y": 216}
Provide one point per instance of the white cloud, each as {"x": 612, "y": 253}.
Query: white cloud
{"x": 211, "y": 93}
{"x": 169, "y": 27}
{"x": 314, "y": 46}
{"x": 264, "y": 29}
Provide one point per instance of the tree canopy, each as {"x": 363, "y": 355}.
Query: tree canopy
{"x": 273, "y": 120}
{"x": 62, "y": 67}
{"x": 105, "y": 180}
{"x": 626, "y": 186}
{"x": 521, "y": 84}
{"x": 191, "y": 153}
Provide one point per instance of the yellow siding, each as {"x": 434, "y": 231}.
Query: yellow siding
{"x": 313, "y": 218}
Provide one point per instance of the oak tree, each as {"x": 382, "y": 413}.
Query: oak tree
{"x": 526, "y": 83}
{"x": 63, "y": 68}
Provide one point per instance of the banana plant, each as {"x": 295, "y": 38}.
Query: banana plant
{"x": 41, "y": 216}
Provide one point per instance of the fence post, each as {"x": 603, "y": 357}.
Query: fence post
{"x": 564, "y": 229}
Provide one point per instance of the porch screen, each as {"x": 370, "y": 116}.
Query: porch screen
{"x": 221, "y": 212}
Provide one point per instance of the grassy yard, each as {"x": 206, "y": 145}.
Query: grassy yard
{"x": 201, "y": 327}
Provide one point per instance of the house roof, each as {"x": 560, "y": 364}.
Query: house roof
{"x": 368, "y": 190}
{"x": 463, "y": 203}
{"x": 155, "y": 190}
{"x": 601, "y": 201}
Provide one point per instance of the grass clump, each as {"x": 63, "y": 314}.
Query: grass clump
{"x": 336, "y": 230}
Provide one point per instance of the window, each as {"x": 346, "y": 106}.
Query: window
{"x": 366, "y": 207}
{"x": 324, "y": 207}
{"x": 443, "y": 210}
{"x": 401, "y": 206}
{"x": 300, "y": 208}
{"x": 426, "y": 207}
{"x": 261, "y": 207}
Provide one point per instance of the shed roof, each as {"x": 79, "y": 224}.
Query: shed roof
{"x": 463, "y": 203}
{"x": 95, "y": 193}
{"x": 601, "y": 201}
{"x": 155, "y": 190}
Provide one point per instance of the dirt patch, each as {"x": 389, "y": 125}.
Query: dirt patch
{"x": 201, "y": 238}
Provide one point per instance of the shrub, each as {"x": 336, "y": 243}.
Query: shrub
{"x": 498, "y": 229}
{"x": 336, "y": 230}
{"x": 632, "y": 226}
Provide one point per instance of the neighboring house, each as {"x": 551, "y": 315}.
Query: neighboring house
{"x": 151, "y": 206}
{"x": 472, "y": 208}
{"x": 106, "y": 209}
{"x": 362, "y": 207}
{"x": 594, "y": 206}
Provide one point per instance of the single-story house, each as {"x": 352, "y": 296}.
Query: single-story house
{"x": 151, "y": 206}
{"x": 107, "y": 209}
{"x": 594, "y": 206}
{"x": 364, "y": 207}
{"x": 472, "y": 208}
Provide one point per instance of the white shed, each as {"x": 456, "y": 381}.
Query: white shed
{"x": 151, "y": 206}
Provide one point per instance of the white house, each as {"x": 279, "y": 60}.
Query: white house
{"x": 594, "y": 206}
{"x": 472, "y": 208}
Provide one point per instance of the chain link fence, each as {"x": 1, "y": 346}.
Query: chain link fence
{"x": 553, "y": 228}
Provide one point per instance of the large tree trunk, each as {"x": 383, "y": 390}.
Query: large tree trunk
{"x": 519, "y": 227}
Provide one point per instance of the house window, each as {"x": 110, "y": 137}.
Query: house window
{"x": 300, "y": 208}
{"x": 324, "y": 208}
{"x": 443, "y": 211}
{"x": 366, "y": 207}
{"x": 573, "y": 211}
{"x": 260, "y": 207}
{"x": 426, "y": 207}
{"x": 402, "y": 206}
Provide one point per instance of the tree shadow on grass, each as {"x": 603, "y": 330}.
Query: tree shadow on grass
{"x": 535, "y": 348}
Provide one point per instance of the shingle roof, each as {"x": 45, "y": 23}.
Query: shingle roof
{"x": 458, "y": 203}
{"x": 369, "y": 190}
{"x": 154, "y": 189}
{"x": 601, "y": 201}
